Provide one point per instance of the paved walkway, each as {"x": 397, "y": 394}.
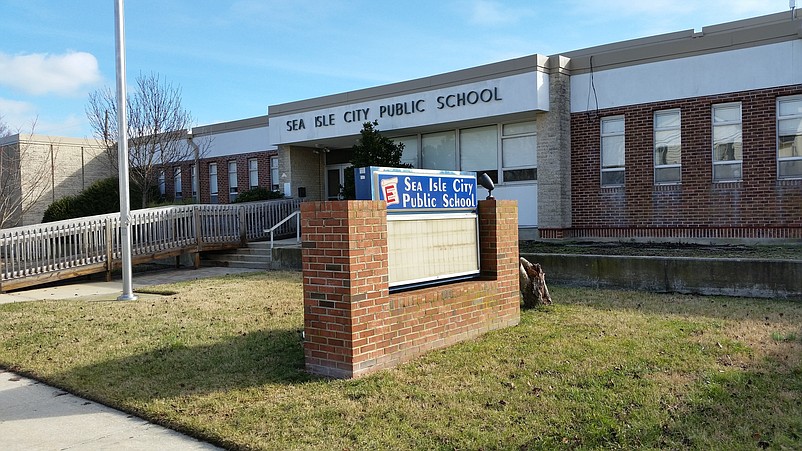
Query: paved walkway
{"x": 35, "y": 416}
{"x": 113, "y": 289}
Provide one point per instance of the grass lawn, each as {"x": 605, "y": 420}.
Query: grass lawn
{"x": 222, "y": 360}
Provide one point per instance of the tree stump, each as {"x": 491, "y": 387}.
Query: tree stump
{"x": 533, "y": 284}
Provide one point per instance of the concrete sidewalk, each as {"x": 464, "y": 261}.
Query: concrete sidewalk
{"x": 35, "y": 416}
{"x": 113, "y": 289}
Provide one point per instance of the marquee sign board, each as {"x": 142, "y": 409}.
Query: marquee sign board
{"x": 417, "y": 190}
{"x": 432, "y": 225}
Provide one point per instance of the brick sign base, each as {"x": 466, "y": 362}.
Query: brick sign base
{"x": 353, "y": 325}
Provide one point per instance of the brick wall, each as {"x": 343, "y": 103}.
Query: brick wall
{"x": 354, "y": 326}
{"x": 243, "y": 180}
{"x": 759, "y": 206}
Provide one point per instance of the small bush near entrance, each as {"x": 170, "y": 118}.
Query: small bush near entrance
{"x": 223, "y": 360}
{"x": 259, "y": 193}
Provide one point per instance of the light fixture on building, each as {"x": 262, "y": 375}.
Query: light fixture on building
{"x": 486, "y": 182}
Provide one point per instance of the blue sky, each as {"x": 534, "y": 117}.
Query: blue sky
{"x": 232, "y": 59}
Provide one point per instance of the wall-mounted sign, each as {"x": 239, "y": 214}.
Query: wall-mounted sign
{"x": 505, "y": 95}
{"x": 417, "y": 190}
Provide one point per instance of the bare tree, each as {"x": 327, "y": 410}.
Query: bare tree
{"x": 4, "y": 130}
{"x": 157, "y": 129}
{"x": 24, "y": 177}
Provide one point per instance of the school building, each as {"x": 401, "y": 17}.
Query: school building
{"x": 685, "y": 136}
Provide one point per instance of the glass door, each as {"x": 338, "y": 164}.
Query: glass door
{"x": 335, "y": 179}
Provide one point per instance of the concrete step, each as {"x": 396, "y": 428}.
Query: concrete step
{"x": 256, "y": 256}
{"x": 250, "y": 265}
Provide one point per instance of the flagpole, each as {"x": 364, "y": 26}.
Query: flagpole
{"x": 122, "y": 156}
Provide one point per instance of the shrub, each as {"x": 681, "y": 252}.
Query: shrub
{"x": 99, "y": 198}
{"x": 59, "y": 210}
{"x": 259, "y": 193}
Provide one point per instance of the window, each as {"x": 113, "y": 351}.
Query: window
{"x": 410, "y": 154}
{"x": 612, "y": 151}
{"x": 177, "y": 182}
{"x": 253, "y": 173}
{"x": 667, "y": 146}
{"x": 727, "y": 143}
{"x": 479, "y": 150}
{"x": 233, "y": 187}
{"x": 194, "y": 176}
{"x": 519, "y": 151}
{"x": 213, "y": 183}
{"x": 162, "y": 184}
{"x": 439, "y": 151}
{"x": 789, "y": 137}
{"x": 274, "y": 173}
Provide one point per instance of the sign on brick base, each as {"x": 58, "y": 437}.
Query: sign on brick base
{"x": 353, "y": 325}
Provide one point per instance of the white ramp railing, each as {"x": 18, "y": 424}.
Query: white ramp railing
{"x": 46, "y": 252}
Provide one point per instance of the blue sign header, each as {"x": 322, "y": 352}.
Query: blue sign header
{"x": 411, "y": 190}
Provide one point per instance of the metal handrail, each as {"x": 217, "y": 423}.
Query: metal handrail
{"x": 297, "y": 215}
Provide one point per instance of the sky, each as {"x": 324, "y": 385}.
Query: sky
{"x": 231, "y": 59}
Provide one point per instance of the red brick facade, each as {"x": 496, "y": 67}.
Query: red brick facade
{"x": 353, "y": 325}
{"x": 758, "y": 206}
{"x": 263, "y": 159}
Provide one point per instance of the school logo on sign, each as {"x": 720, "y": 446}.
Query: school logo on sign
{"x": 417, "y": 190}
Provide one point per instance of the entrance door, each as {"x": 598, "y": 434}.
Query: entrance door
{"x": 335, "y": 179}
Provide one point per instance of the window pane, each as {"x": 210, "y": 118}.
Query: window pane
{"x": 792, "y": 168}
{"x": 727, "y": 152}
{"x": 790, "y": 127}
{"x": 790, "y": 146}
{"x": 517, "y": 152}
{"x": 667, "y": 147}
{"x": 479, "y": 150}
{"x": 612, "y": 151}
{"x": 722, "y": 172}
{"x": 728, "y": 113}
{"x": 612, "y": 178}
{"x": 440, "y": 151}
{"x": 161, "y": 183}
{"x": 727, "y": 134}
{"x": 232, "y": 178}
{"x": 790, "y": 107}
{"x": 520, "y": 175}
{"x": 274, "y": 173}
{"x": 410, "y": 155}
{"x": 609, "y": 126}
{"x": 667, "y": 175}
{"x": 253, "y": 173}
{"x": 668, "y": 119}
{"x": 519, "y": 128}
{"x": 177, "y": 182}
{"x": 333, "y": 184}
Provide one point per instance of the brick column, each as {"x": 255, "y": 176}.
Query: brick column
{"x": 498, "y": 238}
{"x": 345, "y": 284}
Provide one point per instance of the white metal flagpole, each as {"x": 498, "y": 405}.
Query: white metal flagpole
{"x": 122, "y": 155}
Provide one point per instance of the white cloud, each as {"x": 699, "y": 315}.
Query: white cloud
{"x": 17, "y": 115}
{"x": 42, "y": 73}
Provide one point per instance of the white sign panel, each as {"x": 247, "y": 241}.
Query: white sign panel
{"x": 506, "y": 95}
{"x": 431, "y": 248}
